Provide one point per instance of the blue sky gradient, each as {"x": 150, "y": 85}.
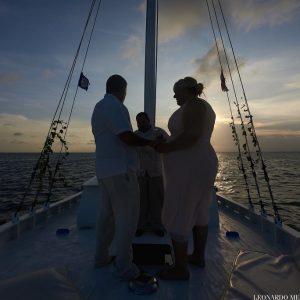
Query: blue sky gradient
{"x": 39, "y": 40}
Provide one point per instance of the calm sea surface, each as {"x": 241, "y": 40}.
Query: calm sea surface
{"x": 283, "y": 169}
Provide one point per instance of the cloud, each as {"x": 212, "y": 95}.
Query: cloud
{"x": 285, "y": 128}
{"x": 265, "y": 81}
{"x": 177, "y": 17}
{"x": 143, "y": 7}
{"x": 273, "y": 103}
{"x": 133, "y": 49}
{"x": 79, "y": 134}
{"x": 112, "y": 32}
{"x": 18, "y": 134}
{"x": 16, "y": 142}
{"x": 293, "y": 83}
{"x": 10, "y": 118}
{"x": 73, "y": 135}
{"x": 208, "y": 67}
{"x": 251, "y": 14}
{"x": 8, "y": 77}
{"x": 47, "y": 74}
{"x": 287, "y": 125}
{"x": 276, "y": 136}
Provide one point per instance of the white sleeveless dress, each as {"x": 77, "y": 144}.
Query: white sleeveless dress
{"x": 189, "y": 176}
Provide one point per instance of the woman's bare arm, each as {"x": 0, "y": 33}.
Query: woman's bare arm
{"x": 193, "y": 117}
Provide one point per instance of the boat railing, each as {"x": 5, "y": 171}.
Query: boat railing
{"x": 13, "y": 229}
{"x": 280, "y": 235}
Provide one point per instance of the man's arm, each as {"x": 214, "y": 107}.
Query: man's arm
{"x": 133, "y": 139}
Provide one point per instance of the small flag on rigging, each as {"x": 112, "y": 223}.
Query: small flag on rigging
{"x": 83, "y": 82}
{"x": 223, "y": 82}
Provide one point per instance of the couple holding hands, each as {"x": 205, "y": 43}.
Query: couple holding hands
{"x": 189, "y": 170}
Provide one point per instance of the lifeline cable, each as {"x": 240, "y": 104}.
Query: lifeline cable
{"x": 246, "y": 144}
{"x": 233, "y": 126}
{"x": 253, "y": 131}
{"x": 65, "y": 89}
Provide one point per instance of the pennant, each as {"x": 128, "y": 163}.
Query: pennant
{"x": 223, "y": 82}
{"x": 83, "y": 82}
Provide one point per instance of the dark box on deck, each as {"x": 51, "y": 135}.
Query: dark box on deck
{"x": 152, "y": 254}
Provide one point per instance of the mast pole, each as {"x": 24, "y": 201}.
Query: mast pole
{"x": 151, "y": 60}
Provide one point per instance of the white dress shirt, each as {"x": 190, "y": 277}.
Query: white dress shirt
{"x": 113, "y": 157}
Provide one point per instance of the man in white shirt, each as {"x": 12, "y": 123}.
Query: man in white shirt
{"x": 150, "y": 177}
{"x": 116, "y": 167}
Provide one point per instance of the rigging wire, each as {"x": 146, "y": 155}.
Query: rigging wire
{"x": 246, "y": 145}
{"x": 59, "y": 160}
{"x": 255, "y": 139}
{"x": 59, "y": 163}
{"x": 60, "y": 103}
{"x": 233, "y": 126}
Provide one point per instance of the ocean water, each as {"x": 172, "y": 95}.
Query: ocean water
{"x": 283, "y": 169}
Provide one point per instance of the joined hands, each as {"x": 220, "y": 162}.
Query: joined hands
{"x": 159, "y": 144}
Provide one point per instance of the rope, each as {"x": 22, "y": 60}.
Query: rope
{"x": 43, "y": 155}
{"x": 246, "y": 144}
{"x": 252, "y": 128}
{"x": 64, "y": 95}
{"x": 232, "y": 124}
{"x": 59, "y": 160}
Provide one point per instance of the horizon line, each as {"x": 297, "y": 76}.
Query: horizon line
{"x": 30, "y": 152}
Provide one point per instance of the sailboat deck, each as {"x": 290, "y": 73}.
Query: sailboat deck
{"x": 41, "y": 248}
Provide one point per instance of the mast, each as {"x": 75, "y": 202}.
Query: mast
{"x": 150, "y": 60}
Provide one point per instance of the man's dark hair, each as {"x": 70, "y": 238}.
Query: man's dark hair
{"x": 141, "y": 114}
{"x": 115, "y": 83}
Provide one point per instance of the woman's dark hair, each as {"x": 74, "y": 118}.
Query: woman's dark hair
{"x": 115, "y": 83}
{"x": 191, "y": 84}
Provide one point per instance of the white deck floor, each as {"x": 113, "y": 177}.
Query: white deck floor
{"x": 41, "y": 248}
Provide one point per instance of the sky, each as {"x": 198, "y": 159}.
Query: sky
{"x": 39, "y": 39}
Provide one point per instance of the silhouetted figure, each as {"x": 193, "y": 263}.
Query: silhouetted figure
{"x": 190, "y": 168}
{"x": 116, "y": 168}
{"x": 150, "y": 177}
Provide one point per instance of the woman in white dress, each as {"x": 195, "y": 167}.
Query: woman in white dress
{"x": 190, "y": 167}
